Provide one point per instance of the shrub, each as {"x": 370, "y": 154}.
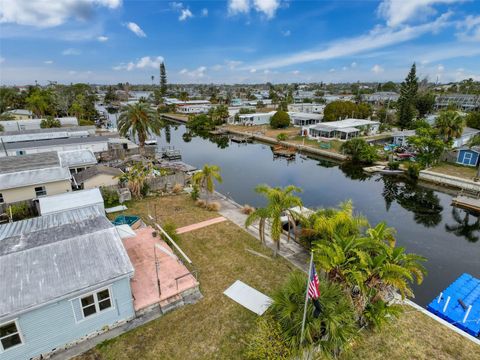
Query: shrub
{"x": 20, "y": 211}
{"x": 195, "y": 194}
{"x": 110, "y": 197}
{"x": 359, "y": 150}
{"x": 50, "y": 122}
{"x": 282, "y": 137}
{"x": 201, "y": 203}
{"x": 177, "y": 188}
{"x": 379, "y": 313}
{"x": 266, "y": 341}
{"x": 393, "y": 165}
{"x": 213, "y": 206}
{"x": 280, "y": 120}
{"x": 247, "y": 209}
{"x": 413, "y": 170}
{"x": 171, "y": 230}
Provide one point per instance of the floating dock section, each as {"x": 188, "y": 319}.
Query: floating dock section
{"x": 459, "y": 304}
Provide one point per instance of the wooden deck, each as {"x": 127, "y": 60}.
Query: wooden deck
{"x": 466, "y": 202}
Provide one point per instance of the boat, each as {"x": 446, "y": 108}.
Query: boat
{"x": 242, "y": 139}
{"x": 151, "y": 142}
{"x": 390, "y": 172}
{"x": 459, "y": 304}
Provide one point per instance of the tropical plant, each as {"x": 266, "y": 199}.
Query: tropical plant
{"x": 473, "y": 119}
{"x": 449, "y": 125}
{"x": 429, "y": 147}
{"x": 205, "y": 179}
{"x": 136, "y": 177}
{"x": 330, "y": 333}
{"x": 279, "y": 203}
{"x": 266, "y": 341}
{"x": 50, "y": 122}
{"x": 282, "y": 137}
{"x": 39, "y": 101}
{"x": 280, "y": 120}
{"x": 359, "y": 150}
{"x": 140, "y": 120}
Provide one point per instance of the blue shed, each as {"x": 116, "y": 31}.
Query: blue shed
{"x": 65, "y": 277}
{"x": 468, "y": 156}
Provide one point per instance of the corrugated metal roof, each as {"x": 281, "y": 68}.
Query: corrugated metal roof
{"x": 54, "y": 142}
{"x": 70, "y": 200}
{"x": 43, "y": 136}
{"x": 73, "y": 158}
{"x": 63, "y": 260}
{"x": 29, "y": 162}
{"x": 90, "y": 129}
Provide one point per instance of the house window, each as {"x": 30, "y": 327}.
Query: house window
{"x": 40, "y": 191}
{"x": 96, "y": 302}
{"x": 9, "y": 335}
{"x": 21, "y": 152}
{"x": 1, "y": 199}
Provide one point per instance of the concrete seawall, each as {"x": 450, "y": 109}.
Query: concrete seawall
{"x": 450, "y": 181}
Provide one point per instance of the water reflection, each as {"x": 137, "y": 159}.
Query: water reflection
{"x": 354, "y": 171}
{"x": 463, "y": 227}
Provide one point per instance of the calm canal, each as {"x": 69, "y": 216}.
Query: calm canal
{"x": 426, "y": 224}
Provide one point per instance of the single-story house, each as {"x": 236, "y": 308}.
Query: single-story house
{"x": 31, "y": 124}
{"x": 19, "y": 114}
{"x": 380, "y": 97}
{"x": 304, "y": 119}
{"x": 342, "y": 129}
{"x": 32, "y": 176}
{"x": 72, "y": 200}
{"x": 400, "y": 138}
{"x": 97, "y": 176}
{"x": 46, "y": 134}
{"x": 77, "y": 160}
{"x": 306, "y": 108}
{"x": 65, "y": 278}
{"x": 468, "y": 156}
{"x": 255, "y": 118}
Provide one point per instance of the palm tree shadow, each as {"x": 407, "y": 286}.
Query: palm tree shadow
{"x": 463, "y": 227}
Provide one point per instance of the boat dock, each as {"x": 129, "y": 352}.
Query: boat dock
{"x": 467, "y": 200}
{"x": 241, "y": 139}
{"x": 280, "y": 150}
{"x": 170, "y": 153}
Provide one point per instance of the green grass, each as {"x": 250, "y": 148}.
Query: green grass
{"x": 465, "y": 172}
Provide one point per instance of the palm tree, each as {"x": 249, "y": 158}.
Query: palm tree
{"x": 205, "y": 178}
{"x": 140, "y": 120}
{"x": 464, "y": 227}
{"x": 450, "y": 125}
{"x": 279, "y": 202}
{"x": 261, "y": 215}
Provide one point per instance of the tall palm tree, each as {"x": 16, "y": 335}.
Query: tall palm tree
{"x": 450, "y": 125}
{"x": 140, "y": 120}
{"x": 205, "y": 178}
{"x": 279, "y": 202}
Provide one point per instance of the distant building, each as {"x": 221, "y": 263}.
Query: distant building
{"x": 380, "y": 97}
{"x": 97, "y": 176}
{"x": 65, "y": 278}
{"x": 77, "y": 160}
{"x": 306, "y": 108}
{"x": 47, "y": 134}
{"x": 304, "y": 119}
{"x": 19, "y": 114}
{"x": 343, "y": 129}
{"x": 32, "y": 176}
{"x": 460, "y": 101}
{"x": 32, "y": 124}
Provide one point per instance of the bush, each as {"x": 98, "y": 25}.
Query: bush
{"x": 201, "y": 203}
{"x": 195, "y": 194}
{"x": 359, "y": 150}
{"x": 393, "y": 165}
{"x": 282, "y": 137}
{"x": 413, "y": 170}
{"x": 213, "y": 206}
{"x": 110, "y": 197}
{"x": 50, "y": 122}
{"x": 20, "y": 211}
{"x": 280, "y": 120}
{"x": 171, "y": 230}
{"x": 177, "y": 188}
{"x": 266, "y": 341}
{"x": 247, "y": 209}
{"x": 85, "y": 122}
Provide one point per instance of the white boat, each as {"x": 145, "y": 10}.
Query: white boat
{"x": 151, "y": 142}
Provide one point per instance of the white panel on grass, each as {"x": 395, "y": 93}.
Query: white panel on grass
{"x": 248, "y": 297}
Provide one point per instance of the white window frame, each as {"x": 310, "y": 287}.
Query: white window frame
{"x": 44, "y": 190}
{"x": 95, "y": 302}
{"x": 19, "y": 332}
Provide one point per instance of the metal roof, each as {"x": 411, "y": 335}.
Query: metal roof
{"x": 29, "y": 162}
{"x": 53, "y": 257}
{"x": 90, "y": 129}
{"x": 74, "y": 158}
{"x": 43, "y": 136}
{"x": 54, "y": 142}
{"x": 66, "y": 201}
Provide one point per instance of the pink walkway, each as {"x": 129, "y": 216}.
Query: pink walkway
{"x": 200, "y": 225}
{"x": 144, "y": 284}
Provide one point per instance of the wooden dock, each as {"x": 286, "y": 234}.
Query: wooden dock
{"x": 280, "y": 150}
{"x": 242, "y": 139}
{"x": 467, "y": 202}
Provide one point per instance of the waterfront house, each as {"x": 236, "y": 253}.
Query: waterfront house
{"x": 18, "y": 114}
{"x": 255, "y": 118}
{"x": 97, "y": 176}
{"x": 31, "y": 124}
{"x": 72, "y": 200}
{"x": 342, "y": 129}
{"x": 401, "y": 137}
{"x": 65, "y": 278}
{"x": 304, "y": 119}
{"x": 468, "y": 156}
{"x": 32, "y": 176}
{"x": 46, "y": 134}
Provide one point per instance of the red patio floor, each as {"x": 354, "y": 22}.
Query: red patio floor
{"x": 144, "y": 284}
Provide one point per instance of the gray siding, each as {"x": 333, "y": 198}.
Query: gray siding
{"x": 60, "y": 323}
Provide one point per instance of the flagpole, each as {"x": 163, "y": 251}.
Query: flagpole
{"x": 306, "y": 298}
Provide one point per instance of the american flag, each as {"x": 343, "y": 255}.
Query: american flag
{"x": 313, "y": 285}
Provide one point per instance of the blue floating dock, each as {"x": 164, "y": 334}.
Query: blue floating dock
{"x": 459, "y": 304}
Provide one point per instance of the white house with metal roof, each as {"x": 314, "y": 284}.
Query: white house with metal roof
{"x": 19, "y": 114}
{"x": 65, "y": 277}
{"x": 342, "y": 129}
{"x": 304, "y": 118}
{"x": 31, "y": 124}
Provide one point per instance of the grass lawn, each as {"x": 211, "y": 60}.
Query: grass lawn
{"x": 216, "y": 327}
{"x": 335, "y": 145}
{"x": 465, "y": 172}
{"x": 265, "y": 130}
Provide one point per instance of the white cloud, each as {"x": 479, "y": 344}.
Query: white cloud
{"x": 266, "y": 7}
{"x": 102, "y": 38}
{"x": 344, "y": 68}
{"x": 238, "y": 7}
{"x": 233, "y": 64}
{"x": 377, "y": 69}
{"x": 397, "y": 12}
{"x": 48, "y": 62}
{"x": 44, "y": 14}
{"x": 198, "y": 73}
{"x": 440, "y": 68}
{"x": 71, "y": 51}
{"x": 377, "y": 38}
{"x": 145, "y": 62}
{"x": 295, "y": 72}
{"x": 353, "y": 64}
{"x": 137, "y": 30}
{"x": 266, "y": 71}
{"x": 183, "y": 71}
{"x": 185, "y": 14}
{"x": 72, "y": 72}
{"x": 331, "y": 70}
{"x": 253, "y": 71}
{"x": 2, "y": 60}
{"x": 286, "y": 33}
{"x": 204, "y": 12}
{"x": 469, "y": 29}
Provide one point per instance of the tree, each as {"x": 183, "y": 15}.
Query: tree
{"x": 140, "y": 120}
{"x": 50, "y": 122}
{"x": 110, "y": 96}
{"x": 449, "y": 125}
{"x": 39, "y": 102}
{"x": 359, "y": 150}
{"x": 424, "y": 103}
{"x": 473, "y": 119}
{"x": 428, "y": 145}
{"x": 389, "y": 86}
{"x": 280, "y": 120}
{"x": 406, "y": 101}
{"x": 219, "y": 114}
{"x": 1, "y": 128}
{"x": 136, "y": 176}
{"x": 205, "y": 178}
{"x": 338, "y": 110}
{"x": 163, "y": 79}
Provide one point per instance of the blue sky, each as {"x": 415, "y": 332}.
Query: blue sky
{"x": 237, "y": 41}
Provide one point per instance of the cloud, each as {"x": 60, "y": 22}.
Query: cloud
{"x": 48, "y": 62}
{"x": 145, "y": 62}
{"x": 286, "y": 33}
{"x": 469, "y": 29}
{"x": 44, "y": 14}
{"x": 198, "y": 73}
{"x": 295, "y": 72}
{"x": 2, "y": 60}
{"x": 377, "y": 69}
{"x": 253, "y": 71}
{"x": 102, "y": 38}
{"x": 266, "y": 7}
{"x": 377, "y": 38}
{"x": 204, "y": 12}
{"x": 440, "y": 68}
{"x": 397, "y": 12}
{"x": 185, "y": 14}
{"x": 71, "y": 51}
{"x": 137, "y": 30}
{"x": 331, "y": 70}
{"x": 233, "y": 64}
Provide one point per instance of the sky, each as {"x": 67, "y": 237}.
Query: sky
{"x": 237, "y": 41}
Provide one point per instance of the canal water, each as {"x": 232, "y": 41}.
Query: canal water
{"x": 425, "y": 221}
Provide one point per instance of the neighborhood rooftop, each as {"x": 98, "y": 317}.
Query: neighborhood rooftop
{"x": 65, "y": 201}
{"x": 56, "y": 142}
{"x": 79, "y": 157}
{"x": 44, "y": 160}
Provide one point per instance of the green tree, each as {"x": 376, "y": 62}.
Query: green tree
{"x": 219, "y": 114}
{"x": 136, "y": 176}
{"x": 39, "y": 102}
{"x": 428, "y": 144}
{"x": 50, "y": 122}
{"x": 389, "y": 86}
{"x": 205, "y": 179}
{"x": 473, "y": 119}
{"x": 449, "y": 125}
{"x": 359, "y": 150}
{"x": 111, "y": 95}
{"x": 424, "y": 103}
{"x": 163, "y": 79}
{"x": 280, "y": 120}
{"x": 338, "y": 110}
{"x": 140, "y": 120}
{"x": 1, "y": 128}
{"x": 406, "y": 101}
